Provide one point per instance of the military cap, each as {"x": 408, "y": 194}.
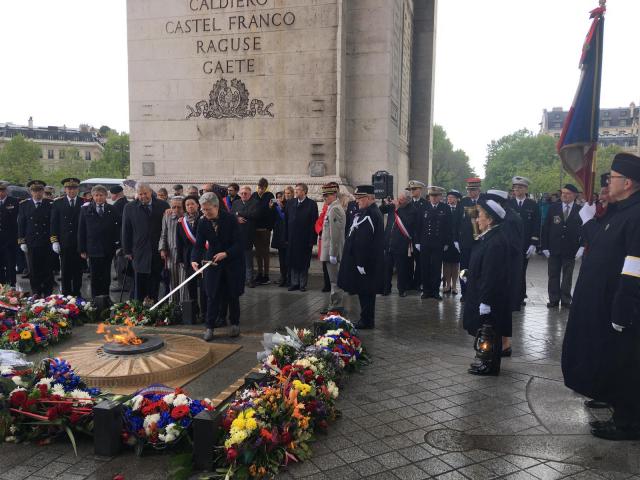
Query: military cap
{"x": 4, "y": 185}
{"x": 415, "y": 184}
{"x": 36, "y": 185}
{"x": 330, "y": 188}
{"x": 363, "y": 190}
{"x": 571, "y": 188}
{"x": 628, "y": 165}
{"x": 70, "y": 182}
{"x": 604, "y": 179}
{"x": 455, "y": 193}
{"x": 473, "y": 183}
{"x": 433, "y": 190}
{"x": 49, "y": 189}
{"x": 499, "y": 196}
{"x": 116, "y": 189}
{"x": 520, "y": 181}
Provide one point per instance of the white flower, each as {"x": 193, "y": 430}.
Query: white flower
{"x": 58, "y": 389}
{"x": 18, "y": 381}
{"x": 181, "y": 399}
{"x": 72, "y": 301}
{"x": 168, "y": 399}
{"x": 13, "y": 429}
{"x": 46, "y": 381}
{"x": 6, "y": 370}
{"x": 333, "y": 389}
{"x": 136, "y": 401}
{"x": 80, "y": 395}
{"x": 10, "y": 439}
{"x": 208, "y": 401}
{"x": 150, "y": 421}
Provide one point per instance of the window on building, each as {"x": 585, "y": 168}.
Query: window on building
{"x": 61, "y": 154}
{"x": 87, "y": 155}
{"x": 50, "y": 154}
{"x": 41, "y": 154}
{"x": 556, "y": 135}
{"x": 606, "y": 123}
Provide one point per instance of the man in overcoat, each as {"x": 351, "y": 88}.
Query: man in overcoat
{"x": 119, "y": 260}
{"x": 245, "y": 208}
{"x": 301, "y": 215}
{"x": 9, "y": 207}
{"x": 601, "y": 350}
{"x": 561, "y": 240}
{"x": 141, "y": 228}
{"x": 332, "y": 237}
{"x": 418, "y": 204}
{"x": 398, "y": 244}
{"x": 362, "y": 268}
{"x": 65, "y": 214}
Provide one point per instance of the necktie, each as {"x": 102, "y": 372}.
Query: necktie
{"x": 566, "y": 211}
{"x": 519, "y": 203}
{"x": 1, "y": 203}
{"x": 100, "y": 212}
{"x": 37, "y": 204}
{"x": 72, "y": 202}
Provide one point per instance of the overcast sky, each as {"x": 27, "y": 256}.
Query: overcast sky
{"x": 499, "y": 63}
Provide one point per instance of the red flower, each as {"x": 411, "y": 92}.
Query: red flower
{"x": 179, "y": 412}
{"x": 232, "y": 454}
{"x": 18, "y": 398}
{"x": 319, "y": 379}
{"x": 43, "y": 390}
{"x": 308, "y": 375}
{"x": 44, "y": 331}
{"x": 285, "y": 437}
{"x": 13, "y": 336}
{"x": 286, "y": 370}
{"x": 266, "y": 434}
{"x": 52, "y": 413}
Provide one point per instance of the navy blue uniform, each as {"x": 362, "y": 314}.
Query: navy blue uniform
{"x": 64, "y": 229}
{"x": 9, "y": 207}
{"x": 433, "y": 234}
{"x": 529, "y": 212}
{"x": 398, "y": 248}
{"x": 34, "y": 223}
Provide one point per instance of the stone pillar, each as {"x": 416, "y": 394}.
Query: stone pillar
{"x": 424, "y": 51}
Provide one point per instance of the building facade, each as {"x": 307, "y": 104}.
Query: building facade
{"x": 618, "y": 126}
{"x": 293, "y": 90}
{"x": 56, "y": 141}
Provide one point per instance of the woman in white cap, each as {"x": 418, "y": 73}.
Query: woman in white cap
{"x": 487, "y": 308}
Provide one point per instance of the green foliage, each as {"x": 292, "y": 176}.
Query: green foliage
{"x": 72, "y": 165}
{"x": 450, "y": 167}
{"x": 114, "y": 162}
{"x": 20, "y": 161}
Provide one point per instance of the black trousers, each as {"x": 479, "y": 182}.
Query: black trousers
{"x": 367, "y": 308}
{"x": 431, "y": 259}
{"x": 284, "y": 268}
{"x": 100, "y": 268}
{"x": 626, "y": 413}
{"x": 72, "y": 265}
{"x": 325, "y": 277}
{"x": 8, "y": 264}
{"x": 388, "y": 272}
{"x": 196, "y": 291}
{"x": 402, "y": 265}
{"x": 214, "y": 302}
{"x": 523, "y": 280}
{"x": 465, "y": 258}
{"x": 40, "y": 268}
{"x": 416, "y": 271}
{"x": 560, "y": 271}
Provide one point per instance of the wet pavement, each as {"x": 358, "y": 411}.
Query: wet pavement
{"x": 414, "y": 412}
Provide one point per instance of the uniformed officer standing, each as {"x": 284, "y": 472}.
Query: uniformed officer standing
{"x": 119, "y": 261}
{"x": 601, "y": 350}
{"x": 561, "y": 240}
{"x": 433, "y": 238}
{"x": 398, "y": 243}
{"x": 530, "y": 215}
{"x": 361, "y": 270}
{"x": 418, "y": 204}
{"x": 33, "y": 237}
{"x": 8, "y": 236}
{"x": 65, "y": 214}
{"x": 468, "y": 226}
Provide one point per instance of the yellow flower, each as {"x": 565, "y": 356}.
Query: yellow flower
{"x": 251, "y": 424}
{"x": 303, "y": 388}
{"x": 25, "y": 335}
{"x": 62, "y": 323}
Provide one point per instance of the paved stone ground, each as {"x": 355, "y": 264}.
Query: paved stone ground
{"x": 414, "y": 412}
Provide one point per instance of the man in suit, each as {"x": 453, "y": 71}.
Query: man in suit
{"x": 141, "y": 229}
{"x": 119, "y": 261}
{"x": 434, "y": 237}
{"x": 245, "y": 209}
{"x": 561, "y": 244}
{"x": 65, "y": 213}
{"x": 468, "y": 229}
{"x": 9, "y": 207}
{"x": 332, "y": 237}
{"x": 98, "y": 237}
{"x": 418, "y": 204}
{"x": 301, "y": 215}
{"x": 34, "y": 224}
{"x": 361, "y": 269}
{"x": 530, "y": 215}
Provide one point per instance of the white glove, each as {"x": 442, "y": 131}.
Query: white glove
{"x": 457, "y": 245}
{"x": 546, "y": 253}
{"x": 617, "y": 328}
{"x": 56, "y": 247}
{"x": 484, "y": 309}
{"x": 531, "y": 250}
{"x": 418, "y": 246}
{"x": 333, "y": 260}
{"x": 579, "y": 253}
{"x": 361, "y": 270}
{"x": 24, "y": 248}
{"x": 587, "y": 212}
{"x": 446, "y": 247}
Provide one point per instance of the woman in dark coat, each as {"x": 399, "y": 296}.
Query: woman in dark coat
{"x": 218, "y": 241}
{"x": 487, "y": 301}
{"x": 186, "y": 233}
{"x": 279, "y": 239}
{"x": 451, "y": 257}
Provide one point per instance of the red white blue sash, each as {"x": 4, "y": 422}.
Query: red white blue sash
{"x": 403, "y": 230}
{"x": 186, "y": 228}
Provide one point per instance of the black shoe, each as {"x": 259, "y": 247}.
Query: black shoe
{"x": 523, "y": 304}
{"x": 282, "y": 284}
{"x": 565, "y": 304}
{"x": 251, "y": 284}
{"x": 461, "y": 299}
{"x": 483, "y": 370}
{"x": 303, "y": 289}
{"x": 364, "y": 326}
{"x": 437, "y": 296}
{"x": 600, "y": 424}
{"x": 552, "y": 304}
{"x": 264, "y": 280}
{"x": 403, "y": 294}
{"x": 220, "y": 322}
{"x": 293, "y": 288}
{"x": 611, "y": 432}
{"x": 595, "y": 404}
{"x": 448, "y": 290}
{"x": 326, "y": 289}
{"x": 425, "y": 296}
{"x": 454, "y": 292}
{"x": 506, "y": 352}
{"x": 386, "y": 294}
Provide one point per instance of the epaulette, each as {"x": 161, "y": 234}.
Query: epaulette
{"x": 53, "y": 238}
{"x": 25, "y": 200}
{"x": 85, "y": 204}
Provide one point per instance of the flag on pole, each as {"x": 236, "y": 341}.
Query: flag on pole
{"x": 579, "y": 138}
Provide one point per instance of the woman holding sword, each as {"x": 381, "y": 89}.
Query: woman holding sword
{"x": 218, "y": 242}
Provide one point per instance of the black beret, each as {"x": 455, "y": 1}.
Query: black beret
{"x": 115, "y": 190}
{"x": 571, "y": 188}
{"x": 628, "y": 165}
{"x": 455, "y": 193}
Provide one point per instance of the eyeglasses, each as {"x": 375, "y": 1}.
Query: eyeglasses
{"x": 615, "y": 176}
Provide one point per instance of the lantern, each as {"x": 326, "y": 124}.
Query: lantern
{"x": 485, "y": 343}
